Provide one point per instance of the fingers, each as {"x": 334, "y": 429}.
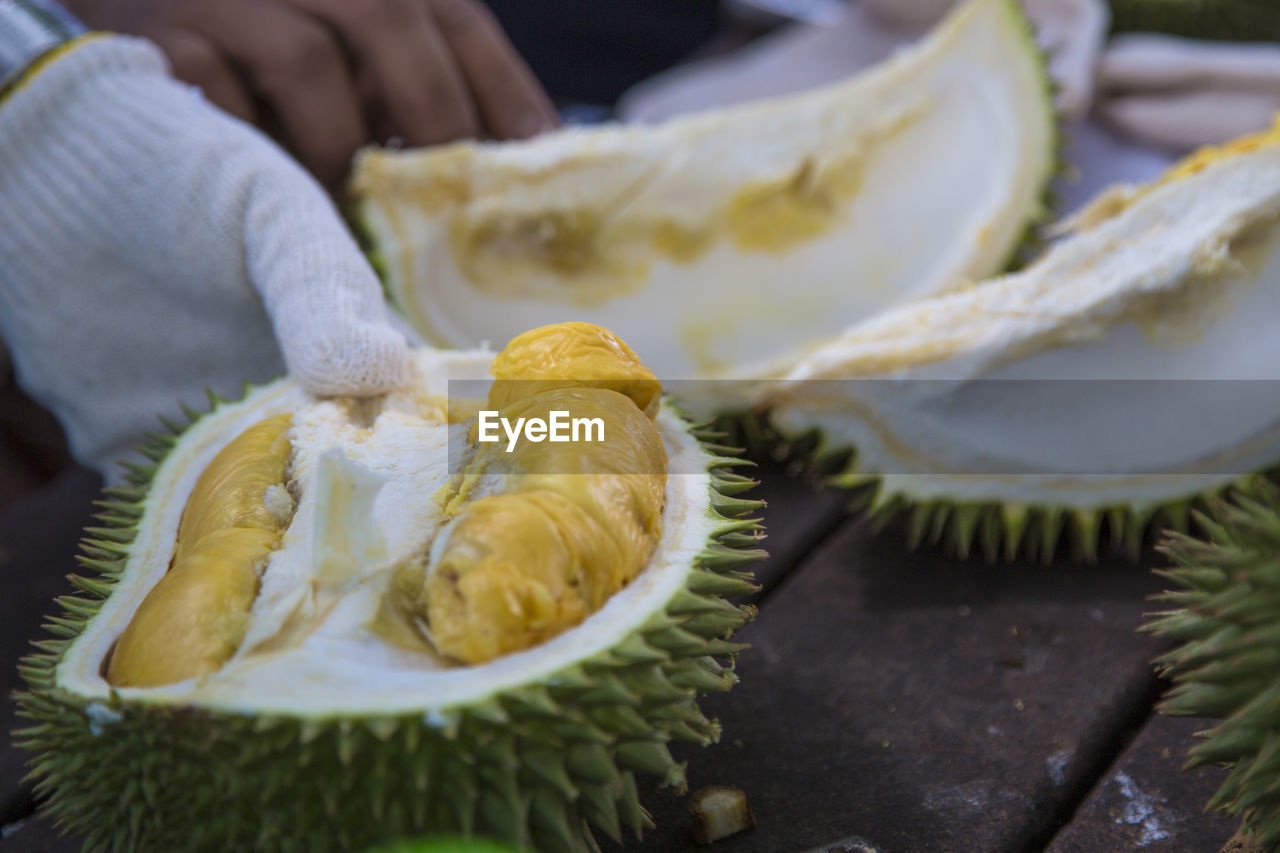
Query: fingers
{"x": 195, "y": 60}
{"x": 327, "y": 76}
{"x": 418, "y": 83}
{"x": 442, "y": 69}
{"x": 298, "y": 67}
{"x": 1144, "y": 61}
{"x": 1180, "y": 121}
{"x": 1178, "y": 94}
{"x": 512, "y": 103}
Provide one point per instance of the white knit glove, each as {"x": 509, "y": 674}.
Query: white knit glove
{"x": 150, "y": 243}
{"x": 1177, "y": 94}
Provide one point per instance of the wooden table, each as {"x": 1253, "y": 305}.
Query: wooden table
{"x": 891, "y": 701}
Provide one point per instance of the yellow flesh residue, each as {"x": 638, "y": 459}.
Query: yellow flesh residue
{"x": 1115, "y": 200}
{"x": 193, "y": 620}
{"x": 591, "y": 257}
{"x": 1204, "y": 157}
{"x": 589, "y": 251}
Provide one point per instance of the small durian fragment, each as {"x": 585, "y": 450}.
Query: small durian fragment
{"x": 568, "y": 355}
{"x": 194, "y": 619}
{"x": 719, "y": 811}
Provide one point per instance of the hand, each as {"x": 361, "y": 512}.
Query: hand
{"x": 151, "y": 244}
{"x": 1176, "y": 94}
{"x": 327, "y": 76}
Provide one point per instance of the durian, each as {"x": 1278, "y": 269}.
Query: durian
{"x": 1111, "y": 382}
{"x": 1229, "y": 20}
{"x": 307, "y": 630}
{"x": 1225, "y": 616}
{"x": 730, "y": 243}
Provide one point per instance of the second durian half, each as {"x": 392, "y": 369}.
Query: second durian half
{"x": 320, "y": 624}
{"x": 1126, "y": 373}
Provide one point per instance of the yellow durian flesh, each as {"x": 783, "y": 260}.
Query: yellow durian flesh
{"x": 574, "y": 522}
{"x": 232, "y": 491}
{"x": 193, "y": 620}
{"x": 569, "y": 355}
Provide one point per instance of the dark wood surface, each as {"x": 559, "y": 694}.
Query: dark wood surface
{"x": 891, "y": 701}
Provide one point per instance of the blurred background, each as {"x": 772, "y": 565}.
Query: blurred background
{"x": 595, "y": 56}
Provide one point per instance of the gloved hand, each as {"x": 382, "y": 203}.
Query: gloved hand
{"x": 150, "y": 245}
{"x": 1177, "y": 94}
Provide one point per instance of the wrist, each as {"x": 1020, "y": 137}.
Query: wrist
{"x": 29, "y": 30}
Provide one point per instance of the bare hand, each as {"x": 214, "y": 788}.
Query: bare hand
{"x": 327, "y": 76}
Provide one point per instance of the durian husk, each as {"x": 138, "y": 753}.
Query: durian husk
{"x": 990, "y": 531}
{"x": 1008, "y": 529}
{"x": 1224, "y": 20}
{"x": 543, "y": 765}
{"x": 1224, "y": 614}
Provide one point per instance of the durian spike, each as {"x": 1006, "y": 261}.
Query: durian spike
{"x": 1224, "y": 612}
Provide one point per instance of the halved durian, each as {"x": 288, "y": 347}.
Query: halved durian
{"x": 322, "y": 705}
{"x": 730, "y": 243}
{"x": 1124, "y": 373}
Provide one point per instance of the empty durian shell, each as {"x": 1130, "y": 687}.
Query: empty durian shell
{"x": 1122, "y": 375}
{"x": 730, "y": 243}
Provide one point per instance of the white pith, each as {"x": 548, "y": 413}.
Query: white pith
{"x": 343, "y": 667}
{"x": 953, "y": 138}
{"x": 1182, "y": 284}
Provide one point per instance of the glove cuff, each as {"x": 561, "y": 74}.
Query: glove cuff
{"x": 58, "y": 74}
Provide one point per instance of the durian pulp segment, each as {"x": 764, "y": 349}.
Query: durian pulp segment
{"x": 194, "y": 619}
{"x": 727, "y": 244}
{"x": 1176, "y": 292}
{"x": 310, "y": 647}
{"x": 539, "y": 546}
{"x": 561, "y": 356}
{"x": 574, "y": 523}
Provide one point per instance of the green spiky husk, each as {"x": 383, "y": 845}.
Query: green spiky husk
{"x": 1225, "y": 615}
{"x": 993, "y": 530}
{"x": 1225, "y": 20}
{"x": 540, "y": 765}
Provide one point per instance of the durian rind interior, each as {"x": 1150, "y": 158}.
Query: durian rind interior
{"x": 313, "y": 645}
{"x": 730, "y": 243}
{"x": 1126, "y": 370}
